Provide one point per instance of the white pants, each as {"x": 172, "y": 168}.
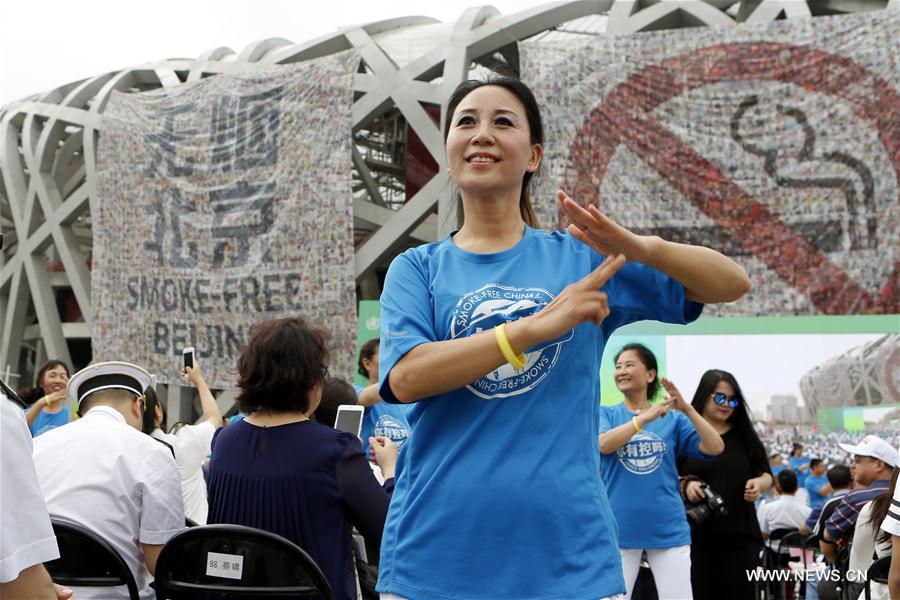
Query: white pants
{"x": 671, "y": 571}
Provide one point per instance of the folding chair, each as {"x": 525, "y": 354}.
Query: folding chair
{"x": 86, "y": 559}
{"x": 772, "y": 556}
{"x": 235, "y": 561}
{"x": 878, "y": 572}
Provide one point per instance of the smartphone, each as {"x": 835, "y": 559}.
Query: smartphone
{"x": 349, "y": 419}
{"x": 189, "y": 357}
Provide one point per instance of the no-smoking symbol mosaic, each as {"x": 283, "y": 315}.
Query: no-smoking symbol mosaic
{"x": 784, "y": 155}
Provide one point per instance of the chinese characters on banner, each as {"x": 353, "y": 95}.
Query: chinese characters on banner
{"x": 223, "y": 203}
{"x": 775, "y": 143}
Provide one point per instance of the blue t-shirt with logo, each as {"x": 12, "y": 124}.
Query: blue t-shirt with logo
{"x": 384, "y": 420}
{"x": 498, "y": 493}
{"x": 641, "y": 478}
{"x": 45, "y": 421}
{"x": 813, "y": 484}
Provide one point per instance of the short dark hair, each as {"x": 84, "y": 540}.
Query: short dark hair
{"x": 367, "y": 351}
{"x": 107, "y": 396}
{"x": 336, "y": 392}
{"x": 787, "y": 481}
{"x": 814, "y": 463}
{"x": 648, "y": 359}
{"x": 839, "y": 476}
{"x": 284, "y": 360}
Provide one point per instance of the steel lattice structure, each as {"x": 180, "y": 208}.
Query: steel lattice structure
{"x": 409, "y": 65}
{"x": 865, "y": 376}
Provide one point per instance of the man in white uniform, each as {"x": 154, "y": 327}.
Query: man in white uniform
{"x": 102, "y": 472}
{"x": 26, "y": 537}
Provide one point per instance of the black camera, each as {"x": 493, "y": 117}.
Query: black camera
{"x": 711, "y": 505}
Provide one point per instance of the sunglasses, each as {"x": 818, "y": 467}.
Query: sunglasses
{"x": 723, "y": 400}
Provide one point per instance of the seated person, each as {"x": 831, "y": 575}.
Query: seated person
{"x": 839, "y": 478}
{"x": 190, "y": 443}
{"x": 870, "y": 543}
{"x": 786, "y": 511}
{"x": 103, "y": 473}
{"x": 46, "y": 401}
{"x": 874, "y": 462}
{"x": 891, "y": 526}
{"x": 381, "y": 419}
{"x": 26, "y": 540}
{"x": 335, "y": 393}
{"x": 278, "y": 470}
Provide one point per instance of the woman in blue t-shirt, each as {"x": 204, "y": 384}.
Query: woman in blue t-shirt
{"x": 640, "y": 444}
{"x": 496, "y": 333}
{"x": 47, "y": 400}
{"x": 380, "y": 420}
{"x": 800, "y": 463}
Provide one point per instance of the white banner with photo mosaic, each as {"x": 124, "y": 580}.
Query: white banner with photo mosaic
{"x": 777, "y": 144}
{"x": 223, "y": 203}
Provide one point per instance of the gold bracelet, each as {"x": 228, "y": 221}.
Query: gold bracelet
{"x": 517, "y": 361}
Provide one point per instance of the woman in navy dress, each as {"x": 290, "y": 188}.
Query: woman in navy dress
{"x": 280, "y": 471}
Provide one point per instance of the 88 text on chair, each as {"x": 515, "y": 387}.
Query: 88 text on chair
{"x": 233, "y": 561}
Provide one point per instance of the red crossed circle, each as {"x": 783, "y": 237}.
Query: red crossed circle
{"x": 624, "y": 117}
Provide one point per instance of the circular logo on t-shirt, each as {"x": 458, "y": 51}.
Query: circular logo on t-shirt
{"x": 643, "y": 453}
{"x": 390, "y": 427}
{"x": 493, "y": 305}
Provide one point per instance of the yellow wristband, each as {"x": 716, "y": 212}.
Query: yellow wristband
{"x": 517, "y": 361}
{"x": 47, "y": 400}
{"x": 637, "y": 428}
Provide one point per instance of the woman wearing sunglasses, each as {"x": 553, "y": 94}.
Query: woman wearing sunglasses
{"x": 724, "y": 547}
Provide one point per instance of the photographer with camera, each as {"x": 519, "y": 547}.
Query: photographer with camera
{"x": 640, "y": 444}
{"x": 725, "y": 543}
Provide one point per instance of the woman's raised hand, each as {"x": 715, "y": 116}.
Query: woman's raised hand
{"x": 54, "y": 397}
{"x": 678, "y": 402}
{"x": 578, "y": 302}
{"x": 593, "y": 228}
{"x": 660, "y": 409}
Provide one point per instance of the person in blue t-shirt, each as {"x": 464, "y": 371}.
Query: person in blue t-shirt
{"x": 47, "y": 399}
{"x": 776, "y": 463}
{"x": 380, "y": 420}
{"x": 640, "y": 444}
{"x": 496, "y": 334}
{"x": 800, "y": 463}
{"x": 817, "y": 483}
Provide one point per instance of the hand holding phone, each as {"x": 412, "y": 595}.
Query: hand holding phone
{"x": 188, "y": 354}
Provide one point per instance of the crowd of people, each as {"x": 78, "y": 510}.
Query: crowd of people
{"x": 499, "y": 474}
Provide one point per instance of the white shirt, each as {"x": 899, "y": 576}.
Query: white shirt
{"x": 864, "y": 547}
{"x": 191, "y": 445}
{"x": 786, "y": 511}
{"x": 891, "y": 522}
{"x": 108, "y": 476}
{"x": 26, "y": 537}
